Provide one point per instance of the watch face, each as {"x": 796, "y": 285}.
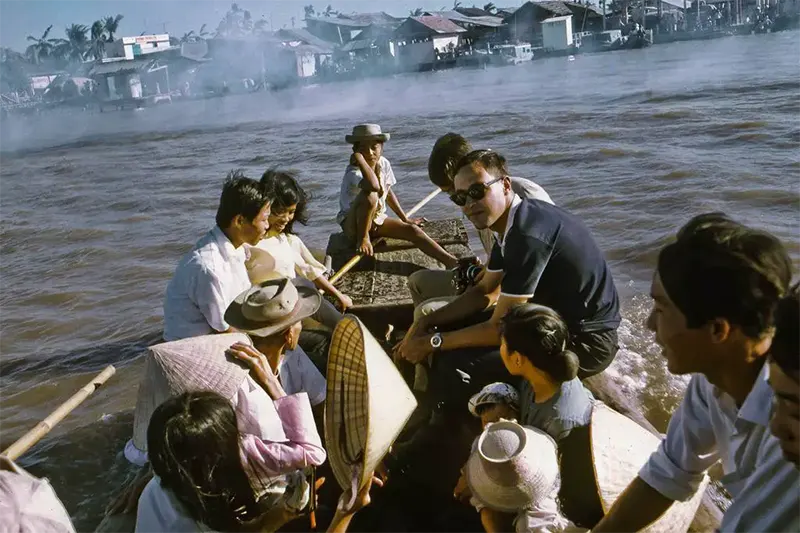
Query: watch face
{"x": 436, "y": 340}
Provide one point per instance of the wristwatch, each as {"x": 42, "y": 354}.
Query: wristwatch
{"x": 436, "y": 341}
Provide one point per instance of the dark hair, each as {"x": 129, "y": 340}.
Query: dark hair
{"x": 286, "y": 192}
{"x": 541, "y": 335}
{"x": 785, "y": 349}
{"x": 240, "y": 196}
{"x": 193, "y": 445}
{"x": 449, "y": 149}
{"x": 719, "y": 268}
{"x": 491, "y": 161}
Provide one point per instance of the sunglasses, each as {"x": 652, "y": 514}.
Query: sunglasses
{"x": 476, "y": 191}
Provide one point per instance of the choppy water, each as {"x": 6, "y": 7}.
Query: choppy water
{"x": 97, "y": 209}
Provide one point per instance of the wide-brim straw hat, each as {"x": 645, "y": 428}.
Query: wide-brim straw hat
{"x": 513, "y": 467}
{"x": 260, "y": 265}
{"x": 193, "y": 364}
{"x": 620, "y": 447}
{"x": 307, "y": 303}
{"x": 367, "y": 405}
{"x": 29, "y": 504}
{"x": 367, "y": 132}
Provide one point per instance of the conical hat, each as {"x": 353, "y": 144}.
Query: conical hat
{"x": 367, "y": 404}
{"x": 620, "y": 447}
{"x": 192, "y": 364}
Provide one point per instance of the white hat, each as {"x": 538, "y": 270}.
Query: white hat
{"x": 367, "y": 405}
{"x": 494, "y": 393}
{"x": 367, "y": 132}
{"x": 192, "y": 364}
{"x": 29, "y": 504}
{"x": 271, "y": 307}
{"x": 513, "y": 467}
{"x": 620, "y": 447}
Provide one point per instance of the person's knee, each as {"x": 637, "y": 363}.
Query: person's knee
{"x": 413, "y": 233}
{"x": 368, "y": 198}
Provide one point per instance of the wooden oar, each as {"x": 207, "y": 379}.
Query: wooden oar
{"x": 356, "y": 258}
{"x": 44, "y": 427}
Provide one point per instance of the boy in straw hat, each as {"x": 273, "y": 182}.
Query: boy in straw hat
{"x": 715, "y": 293}
{"x": 367, "y": 190}
{"x": 29, "y": 504}
{"x": 213, "y": 272}
{"x": 784, "y": 374}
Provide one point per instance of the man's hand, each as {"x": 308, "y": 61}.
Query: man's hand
{"x": 259, "y": 367}
{"x": 362, "y": 498}
{"x": 416, "y": 349}
{"x": 462, "y": 492}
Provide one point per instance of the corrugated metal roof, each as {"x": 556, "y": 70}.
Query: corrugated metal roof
{"x": 339, "y": 21}
{"x": 458, "y": 18}
{"x": 302, "y": 34}
{"x": 559, "y": 8}
{"x": 117, "y": 67}
{"x": 439, "y": 24}
{"x": 472, "y": 11}
{"x": 380, "y": 18}
{"x": 589, "y": 7}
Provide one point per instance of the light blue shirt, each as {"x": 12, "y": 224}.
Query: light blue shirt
{"x": 569, "y": 408}
{"x": 708, "y": 427}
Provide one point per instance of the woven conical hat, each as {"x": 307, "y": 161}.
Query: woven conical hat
{"x": 620, "y": 447}
{"x": 367, "y": 404}
{"x": 193, "y": 364}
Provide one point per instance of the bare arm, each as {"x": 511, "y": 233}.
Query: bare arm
{"x": 368, "y": 173}
{"x": 484, "y": 334}
{"x": 323, "y": 284}
{"x": 637, "y": 507}
{"x": 394, "y": 203}
{"x": 473, "y": 300}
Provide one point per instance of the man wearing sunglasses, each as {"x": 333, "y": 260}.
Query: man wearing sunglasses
{"x": 543, "y": 254}
{"x": 431, "y": 289}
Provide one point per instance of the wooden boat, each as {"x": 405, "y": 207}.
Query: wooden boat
{"x": 378, "y": 287}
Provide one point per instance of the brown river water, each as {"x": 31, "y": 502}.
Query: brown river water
{"x": 96, "y": 209}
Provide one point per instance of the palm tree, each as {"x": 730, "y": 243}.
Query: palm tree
{"x": 42, "y": 47}
{"x": 76, "y": 46}
{"x": 490, "y": 8}
{"x": 97, "y": 43}
{"x": 417, "y": 12}
{"x": 309, "y": 10}
{"x": 456, "y": 4}
{"x": 111, "y": 24}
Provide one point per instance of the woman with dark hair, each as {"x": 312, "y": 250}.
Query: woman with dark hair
{"x": 533, "y": 346}
{"x": 209, "y": 477}
{"x": 292, "y": 258}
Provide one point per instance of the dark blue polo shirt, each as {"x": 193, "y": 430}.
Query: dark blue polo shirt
{"x": 548, "y": 254}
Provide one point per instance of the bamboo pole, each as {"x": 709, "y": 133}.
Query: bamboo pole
{"x": 356, "y": 258}
{"x": 43, "y": 428}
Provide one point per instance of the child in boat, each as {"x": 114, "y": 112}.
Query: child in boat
{"x": 533, "y": 346}
{"x": 512, "y": 477}
{"x": 367, "y": 190}
{"x": 495, "y": 401}
{"x": 208, "y": 476}
{"x": 291, "y": 257}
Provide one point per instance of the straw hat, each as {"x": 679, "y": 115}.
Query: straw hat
{"x": 271, "y": 307}
{"x": 28, "y": 503}
{"x": 366, "y": 132}
{"x": 367, "y": 404}
{"x": 193, "y": 364}
{"x": 513, "y": 467}
{"x": 260, "y": 265}
{"x": 620, "y": 447}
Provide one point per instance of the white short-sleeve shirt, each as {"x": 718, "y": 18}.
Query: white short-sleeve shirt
{"x": 206, "y": 281}
{"x": 350, "y": 189}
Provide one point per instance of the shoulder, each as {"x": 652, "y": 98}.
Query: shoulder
{"x": 352, "y": 171}
{"x": 528, "y": 189}
{"x": 385, "y": 164}
{"x": 536, "y": 219}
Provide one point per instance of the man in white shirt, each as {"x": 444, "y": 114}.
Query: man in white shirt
{"x": 210, "y": 276}
{"x": 715, "y": 293}
{"x": 427, "y": 285}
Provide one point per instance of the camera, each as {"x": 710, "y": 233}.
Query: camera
{"x": 466, "y": 272}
